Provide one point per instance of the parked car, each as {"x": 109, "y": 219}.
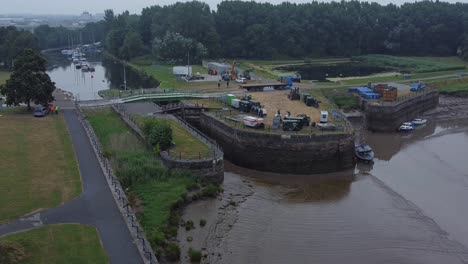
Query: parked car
{"x": 40, "y": 111}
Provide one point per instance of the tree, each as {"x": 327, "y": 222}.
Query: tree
{"x": 132, "y": 46}
{"x": 28, "y": 81}
{"x": 174, "y": 48}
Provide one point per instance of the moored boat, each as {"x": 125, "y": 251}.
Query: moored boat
{"x": 419, "y": 121}
{"x": 364, "y": 152}
{"x": 407, "y": 126}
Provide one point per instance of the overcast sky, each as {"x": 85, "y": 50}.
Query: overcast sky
{"x": 98, "y": 6}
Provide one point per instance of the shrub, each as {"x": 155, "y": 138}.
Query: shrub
{"x": 11, "y": 252}
{"x": 195, "y": 255}
{"x": 189, "y": 225}
{"x": 202, "y": 222}
{"x": 158, "y": 133}
{"x": 172, "y": 252}
{"x": 211, "y": 191}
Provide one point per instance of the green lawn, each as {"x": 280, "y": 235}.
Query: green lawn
{"x": 453, "y": 86}
{"x": 346, "y": 101}
{"x": 66, "y": 243}
{"x": 4, "y": 76}
{"x": 37, "y": 163}
{"x": 139, "y": 172}
{"x": 186, "y": 145}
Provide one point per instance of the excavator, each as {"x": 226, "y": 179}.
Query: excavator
{"x": 232, "y": 76}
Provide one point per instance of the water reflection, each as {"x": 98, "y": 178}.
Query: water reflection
{"x": 135, "y": 79}
{"x": 86, "y": 85}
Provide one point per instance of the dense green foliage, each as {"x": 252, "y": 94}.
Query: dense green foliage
{"x": 241, "y": 29}
{"x": 28, "y": 81}
{"x": 13, "y": 42}
{"x": 154, "y": 192}
{"x": 158, "y": 133}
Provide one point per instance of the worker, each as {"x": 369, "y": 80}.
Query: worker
{"x": 56, "y": 110}
{"x": 219, "y": 83}
{"x": 51, "y": 109}
{"x": 227, "y": 83}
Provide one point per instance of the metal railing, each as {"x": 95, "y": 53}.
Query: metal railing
{"x": 119, "y": 194}
{"x": 401, "y": 99}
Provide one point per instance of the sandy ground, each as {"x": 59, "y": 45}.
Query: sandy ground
{"x": 278, "y": 100}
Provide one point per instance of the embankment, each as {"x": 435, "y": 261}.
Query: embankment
{"x": 282, "y": 153}
{"x": 385, "y": 117}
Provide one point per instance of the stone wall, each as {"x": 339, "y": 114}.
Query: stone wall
{"x": 282, "y": 153}
{"x": 389, "y": 116}
{"x": 210, "y": 168}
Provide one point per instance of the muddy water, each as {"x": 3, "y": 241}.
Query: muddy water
{"x": 408, "y": 207}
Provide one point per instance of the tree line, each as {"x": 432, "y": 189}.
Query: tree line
{"x": 239, "y": 29}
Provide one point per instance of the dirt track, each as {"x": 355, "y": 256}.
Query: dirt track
{"x": 278, "y": 100}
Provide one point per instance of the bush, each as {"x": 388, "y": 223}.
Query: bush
{"x": 158, "y": 133}
{"x": 189, "y": 225}
{"x": 195, "y": 255}
{"x": 172, "y": 252}
{"x": 11, "y": 252}
{"x": 211, "y": 191}
{"x": 202, "y": 222}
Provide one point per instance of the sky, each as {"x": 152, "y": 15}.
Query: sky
{"x": 76, "y": 7}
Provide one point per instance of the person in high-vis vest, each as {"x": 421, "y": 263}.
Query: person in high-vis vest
{"x": 56, "y": 110}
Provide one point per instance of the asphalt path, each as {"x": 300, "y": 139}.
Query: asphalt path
{"x": 95, "y": 206}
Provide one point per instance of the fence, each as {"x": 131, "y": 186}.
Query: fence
{"x": 215, "y": 151}
{"x": 401, "y": 99}
{"x": 119, "y": 195}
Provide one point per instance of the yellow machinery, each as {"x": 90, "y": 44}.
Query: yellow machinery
{"x": 231, "y": 71}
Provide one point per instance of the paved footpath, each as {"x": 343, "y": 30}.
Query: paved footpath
{"x": 95, "y": 206}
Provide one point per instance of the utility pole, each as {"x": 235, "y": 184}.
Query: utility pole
{"x": 188, "y": 68}
{"x": 125, "y": 77}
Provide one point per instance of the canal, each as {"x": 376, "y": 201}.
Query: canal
{"x": 408, "y": 207}
{"x": 108, "y": 74}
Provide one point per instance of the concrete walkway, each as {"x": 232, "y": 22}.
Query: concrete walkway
{"x": 95, "y": 206}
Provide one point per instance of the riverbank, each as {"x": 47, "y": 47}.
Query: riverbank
{"x": 278, "y": 218}
{"x": 155, "y": 193}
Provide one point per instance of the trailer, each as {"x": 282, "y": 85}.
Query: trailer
{"x": 253, "y": 122}
{"x": 260, "y": 87}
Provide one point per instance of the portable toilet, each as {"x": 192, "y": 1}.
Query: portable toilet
{"x": 323, "y": 116}
{"x": 229, "y": 98}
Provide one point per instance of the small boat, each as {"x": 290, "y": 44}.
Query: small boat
{"x": 364, "y": 152}
{"x": 419, "y": 121}
{"x": 76, "y": 61}
{"x": 78, "y": 66}
{"x": 84, "y": 68}
{"x": 91, "y": 68}
{"x": 407, "y": 126}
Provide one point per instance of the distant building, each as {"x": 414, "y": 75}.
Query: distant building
{"x": 86, "y": 16}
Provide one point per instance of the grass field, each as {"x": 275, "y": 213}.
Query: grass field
{"x": 453, "y": 86}
{"x": 67, "y": 243}
{"x": 345, "y": 101}
{"x": 142, "y": 175}
{"x": 37, "y": 163}
{"x": 4, "y": 76}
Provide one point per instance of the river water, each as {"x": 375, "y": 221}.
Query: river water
{"x": 408, "y": 207}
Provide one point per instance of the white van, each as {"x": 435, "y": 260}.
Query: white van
{"x": 323, "y": 116}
